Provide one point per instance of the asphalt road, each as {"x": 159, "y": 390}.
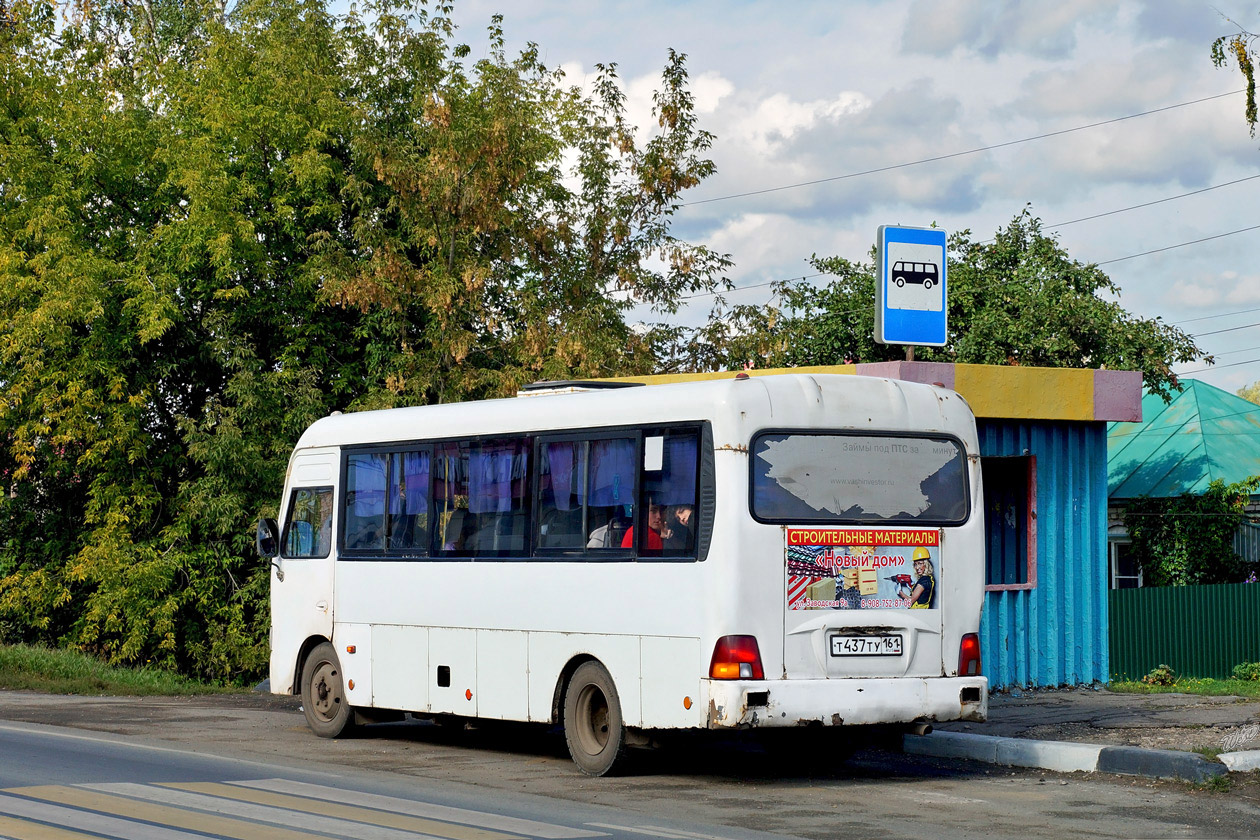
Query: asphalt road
{"x": 107, "y": 785}
{"x": 696, "y": 790}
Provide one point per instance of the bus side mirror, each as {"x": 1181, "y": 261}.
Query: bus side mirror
{"x": 267, "y": 540}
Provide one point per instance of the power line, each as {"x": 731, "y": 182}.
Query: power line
{"x": 1058, "y": 225}
{"x": 1179, "y": 245}
{"x": 1219, "y": 367}
{"x": 1222, "y": 315}
{"x": 1227, "y": 329}
{"x": 753, "y": 286}
{"x": 1236, "y": 352}
{"x": 956, "y": 154}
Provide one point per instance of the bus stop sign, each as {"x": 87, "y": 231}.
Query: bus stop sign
{"x": 910, "y": 292}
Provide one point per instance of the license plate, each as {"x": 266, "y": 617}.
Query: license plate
{"x": 866, "y": 646}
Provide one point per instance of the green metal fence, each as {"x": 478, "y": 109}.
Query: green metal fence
{"x": 1200, "y": 631}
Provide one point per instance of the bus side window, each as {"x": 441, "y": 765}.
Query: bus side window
{"x": 670, "y": 484}
{"x": 409, "y": 501}
{"x": 611, "y": 479}
{"x": 562, "y": 494}
{"x": 364, "y": 519}
{"x": 498, "y": 494}
{"x": 456, "y": 525}
{"x": 308, "y": 527}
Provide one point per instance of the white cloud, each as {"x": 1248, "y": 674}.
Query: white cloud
{"x": 1192, "y": 294}
{"x": 1246, "y": 290}
{"x": 766, "y": 126}
{"x": 709, "y": 89}
{"x": 993, "y": 27}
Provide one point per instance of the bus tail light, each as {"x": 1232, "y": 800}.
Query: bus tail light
{"x": 969, "y": 656}
{"x": 736, "y": 658}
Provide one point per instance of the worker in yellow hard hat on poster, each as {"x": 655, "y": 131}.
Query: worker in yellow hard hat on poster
{"x": 922, "y": 595}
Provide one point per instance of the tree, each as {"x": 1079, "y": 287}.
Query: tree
{"x": 1018, "y": 299}
{"x": 1189, "y": 540}
{"x": 1250, "y": 392}
{"x": 1240, "y": 47}
{"x": 219, "y": 223}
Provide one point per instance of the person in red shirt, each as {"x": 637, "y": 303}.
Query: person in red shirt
{"x": 656, "y": 522}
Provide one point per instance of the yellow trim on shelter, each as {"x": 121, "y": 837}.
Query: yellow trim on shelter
{"x": 1006, "y": 391}
{"x": 1026, "y": 393}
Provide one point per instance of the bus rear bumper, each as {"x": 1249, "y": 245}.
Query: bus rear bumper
{"x": 739, "y": 704}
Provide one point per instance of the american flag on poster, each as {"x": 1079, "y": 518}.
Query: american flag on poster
{"x": 803, "y": 571}
{"x": 798, "y": 585}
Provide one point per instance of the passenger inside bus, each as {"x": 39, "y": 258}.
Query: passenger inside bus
{"x": 611, "y": 533}
{"x": 668, "y": 529}
{"x": 656, "y": 524}
{"x": 679, "y": 534}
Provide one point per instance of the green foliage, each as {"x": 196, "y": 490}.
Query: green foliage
{"x": 1160, "y": 675}
{"x": 1221, "y": 783}
{"x": 1017, "y": 300}
{"x": 1240, "y": 48}
{"x": 1250, "y": 392}
{"x": 1247, "y": 671}
{"x": 219, "y": 223}
{"x": 1188, "y": 539}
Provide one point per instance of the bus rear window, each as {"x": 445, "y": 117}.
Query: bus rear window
{"x": 833, "y": 477}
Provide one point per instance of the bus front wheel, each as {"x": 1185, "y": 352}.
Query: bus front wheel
{"x": 593, "y": 727}
{"x": 324, "y": 695}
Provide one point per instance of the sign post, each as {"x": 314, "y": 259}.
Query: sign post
{"x": 911, "y": 286}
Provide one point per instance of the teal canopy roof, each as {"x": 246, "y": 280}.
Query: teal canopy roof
{"x": 1202, "y": 435}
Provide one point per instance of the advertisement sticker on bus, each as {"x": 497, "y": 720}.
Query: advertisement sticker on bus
{"x": 862, "y": 568}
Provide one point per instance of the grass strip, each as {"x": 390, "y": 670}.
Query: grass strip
{"x": 1205, "y": 686}
{"x": 32, "y": 668}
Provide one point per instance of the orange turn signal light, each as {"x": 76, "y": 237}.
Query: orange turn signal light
{"x": 351, "y": 648}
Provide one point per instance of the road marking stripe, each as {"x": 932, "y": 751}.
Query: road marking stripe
{"x": 24, "y": 830}
{"x": 657, "y": 831}
{"x": 96, "y": 823}
{"x": 262, "y": 813}
{"x": 77, "y": 797}
{"x": 387, "y": 819}
{"x": 547, "y": 831}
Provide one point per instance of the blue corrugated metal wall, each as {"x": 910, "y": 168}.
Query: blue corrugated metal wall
{"x": 1056, "y": 633}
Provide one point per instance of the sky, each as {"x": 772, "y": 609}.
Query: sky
{"x": 806, "y": 91}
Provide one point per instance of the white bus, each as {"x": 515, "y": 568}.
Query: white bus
{"x": 769, "y": 552}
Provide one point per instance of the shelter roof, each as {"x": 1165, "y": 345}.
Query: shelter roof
{"x": 1202, "y": 435}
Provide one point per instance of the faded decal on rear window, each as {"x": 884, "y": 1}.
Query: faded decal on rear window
{"x": 804, "y": 477}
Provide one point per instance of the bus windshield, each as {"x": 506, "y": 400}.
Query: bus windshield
{"x": 835, "y": 477}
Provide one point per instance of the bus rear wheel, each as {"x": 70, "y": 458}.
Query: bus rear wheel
{"x": 593, "y": 727}
{"x": 328, "y": 714}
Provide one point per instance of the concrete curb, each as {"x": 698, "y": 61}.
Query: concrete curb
{"x": 1158, "y": 764}
{"x": 1241, "y": 762}
{"x": 1068, "y": 756}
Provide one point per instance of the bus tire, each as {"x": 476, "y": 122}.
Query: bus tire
{"x": 593, "y": 727}
{"x": 328, "y": 714}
